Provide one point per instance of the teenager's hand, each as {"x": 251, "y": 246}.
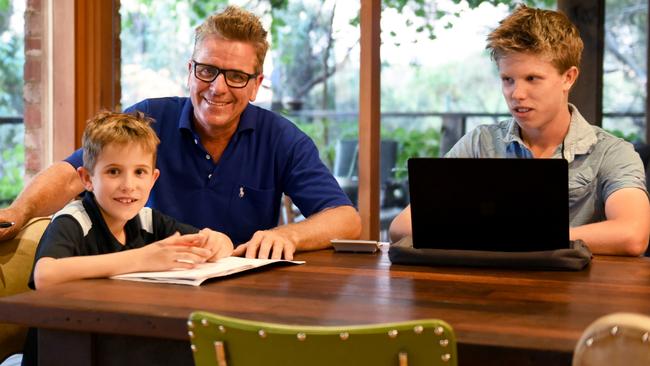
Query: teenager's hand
{"x": 219, "y": 244}
{"x": 176, "y": 251}
{"x": 267, "y": 244}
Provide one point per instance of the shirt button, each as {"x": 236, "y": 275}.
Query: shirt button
{"x": 196, "y": 142}
{"x": 207, "y": 156}
{"x": 209, "y": 176}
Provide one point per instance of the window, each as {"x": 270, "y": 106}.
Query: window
{"x": 625, "y": 68}
{"x": 11, "y": 100}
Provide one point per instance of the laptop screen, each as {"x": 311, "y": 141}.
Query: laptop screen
{"x": 489, "y": 204}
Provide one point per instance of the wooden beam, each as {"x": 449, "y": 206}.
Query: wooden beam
{"x": 97, "y": 60}
{"x": 369, "y": 119}
{"x": 587, "y": 93}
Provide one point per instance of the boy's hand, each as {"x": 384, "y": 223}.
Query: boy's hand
{"x": 176, "y": 251}
{"x": 219, "y": 244}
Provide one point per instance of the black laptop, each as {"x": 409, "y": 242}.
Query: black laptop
{"x": 489, "y": 204}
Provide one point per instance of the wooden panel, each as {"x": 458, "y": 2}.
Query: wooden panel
{"x": 97, "y": 58}
{"x": 587, "y": 93}
{"x": 369, "y": 119}
{"x": 62, "y": 78}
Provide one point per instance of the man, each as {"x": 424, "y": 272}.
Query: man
{"x": 537, "y": 53}
{"x": 224, "y": 163}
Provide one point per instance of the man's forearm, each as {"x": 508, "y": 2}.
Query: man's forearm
{"x": 315, "y": 232}
{"x": 48, "y": 191}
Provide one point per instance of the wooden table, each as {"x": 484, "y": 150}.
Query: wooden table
{"x": 501, "y": 317}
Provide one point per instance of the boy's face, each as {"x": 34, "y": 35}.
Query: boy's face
{"x": 121, "y": 181}
{"x": 536, "y": 92}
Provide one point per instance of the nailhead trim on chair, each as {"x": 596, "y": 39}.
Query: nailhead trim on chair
{"x": 613, "y": 332}
{"x": 393, "y": 333}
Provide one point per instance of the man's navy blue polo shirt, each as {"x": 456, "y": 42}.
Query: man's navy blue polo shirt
{"x": 241, "y": 193}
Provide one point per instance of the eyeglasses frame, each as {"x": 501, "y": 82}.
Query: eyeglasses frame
{"x": 223, "y": 71}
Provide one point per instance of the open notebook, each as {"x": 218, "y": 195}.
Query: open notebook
{"x": 202, "y": 272}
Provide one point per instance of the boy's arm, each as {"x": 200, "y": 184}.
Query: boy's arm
{"x": 219, "y": 244}
{"x": 177, "y": 251}
{"x": 401, "y": 225}
{"x": 627, "y": 228}
{"x": 47, "y": 193}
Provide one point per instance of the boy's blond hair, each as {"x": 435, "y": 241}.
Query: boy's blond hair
{"x": 117, "y": 128}
{"x": 235, "y": 24}
{"x": 546, "y": 33}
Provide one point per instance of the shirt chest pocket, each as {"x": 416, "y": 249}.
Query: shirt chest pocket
{"x": 253, "y": 208}
{"x": 581, "y": 186}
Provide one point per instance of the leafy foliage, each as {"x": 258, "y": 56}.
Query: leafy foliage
{"x": 13, "y": 161}
{"x": 414, "y": 143}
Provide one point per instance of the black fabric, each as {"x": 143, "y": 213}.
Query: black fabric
{"x": 575, "y": 258}
{"x": 64, "y": 236}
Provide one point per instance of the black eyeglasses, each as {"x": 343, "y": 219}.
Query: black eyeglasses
{"x": 234, "y": 78}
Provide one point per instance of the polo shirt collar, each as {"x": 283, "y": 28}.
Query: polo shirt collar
{"x": 578, "y": 141}
{"x": 581, "y": 137}
{"x": 247, "y": 120}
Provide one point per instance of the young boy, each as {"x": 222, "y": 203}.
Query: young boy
{"x": 110, "y": 231}
{"x": 537, "y": 53}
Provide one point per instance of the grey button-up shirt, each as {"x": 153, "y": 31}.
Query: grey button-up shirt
{"x": 599, "y": 163}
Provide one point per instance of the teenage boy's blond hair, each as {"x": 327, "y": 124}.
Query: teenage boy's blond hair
{"x": 235, "y": 24}
{"x": 117, "y": 128}
{"x": 546, "y": 33}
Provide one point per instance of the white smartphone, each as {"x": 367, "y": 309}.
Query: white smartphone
{"x": 359, "y": 246}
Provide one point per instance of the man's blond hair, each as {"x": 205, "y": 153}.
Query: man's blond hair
{"x": 235, "y": 24}
{"x": 117, "y": 128}
{"x": 546, "y": 33}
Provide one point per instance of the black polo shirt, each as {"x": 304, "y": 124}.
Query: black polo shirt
{"x": 79, "y": 229}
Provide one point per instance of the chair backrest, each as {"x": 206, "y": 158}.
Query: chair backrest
{"x": 16, "y": 261}
{"x": 222, "y": 341}
{"x": 615, "y": 339}
{"x": 347, "y": 156}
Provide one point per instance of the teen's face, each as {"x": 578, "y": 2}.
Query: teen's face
{"x": 217, "y": 107}
{"x": 121, "y": 181}
{"x": 536, "y": 93}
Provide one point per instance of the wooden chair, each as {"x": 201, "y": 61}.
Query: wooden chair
{"x": 225, "y": 341}
{"x": 16, "y": 262}
{"x": 615, "y": 339}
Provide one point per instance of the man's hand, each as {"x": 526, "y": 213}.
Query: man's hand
{"x": 11, "y": 215}
{"x": 267, "y": 244}
{"x": 219, "y": 244}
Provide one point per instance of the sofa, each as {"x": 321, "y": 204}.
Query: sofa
{"x": 16, "y": 261}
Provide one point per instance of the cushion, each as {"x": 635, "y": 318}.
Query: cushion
{"x": 16, "y": 261}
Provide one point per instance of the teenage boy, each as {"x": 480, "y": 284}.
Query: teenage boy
{"x": 110, "y": 231}
{"x": 537, "y": 53}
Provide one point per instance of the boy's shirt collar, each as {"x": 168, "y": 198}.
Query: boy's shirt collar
{"x": 578, "y": 141}
{"x": 131, "y": 227}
